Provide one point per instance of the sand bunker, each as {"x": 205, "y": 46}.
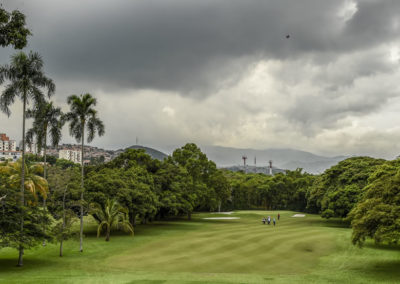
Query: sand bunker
{"x": 221, "y": 218}
{"x": 228, "y": 213}
{"x": 299, "y": 215}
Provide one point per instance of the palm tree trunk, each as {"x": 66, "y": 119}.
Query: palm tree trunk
{"x": 108, "y": 233}
{"x": 21, "y": 248}
{"x": 82, "y": 189}
{"x": 45, "y": 176}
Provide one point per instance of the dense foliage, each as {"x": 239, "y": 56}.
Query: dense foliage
{"x": 377, "y": 215}
{"x": 134, "y": 188}
{"x": 12, "y": 29}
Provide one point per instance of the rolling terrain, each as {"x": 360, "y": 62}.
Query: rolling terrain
{"x": 297, "y": 250}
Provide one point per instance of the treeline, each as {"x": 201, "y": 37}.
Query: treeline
{"x": 363, "y": 191}
{"x": 134, "y": 188}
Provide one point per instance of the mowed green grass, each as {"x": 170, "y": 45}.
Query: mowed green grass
{"x": 297, "y": 250}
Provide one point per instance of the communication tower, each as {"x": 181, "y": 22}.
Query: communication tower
{"x": 270, "y": 167}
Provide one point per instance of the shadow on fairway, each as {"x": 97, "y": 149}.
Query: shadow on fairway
{"x": 382, "y": 246}
{"x": 332, "y": 223}
{"x": 10, "y": 264}
{"x": 382, "y": 271}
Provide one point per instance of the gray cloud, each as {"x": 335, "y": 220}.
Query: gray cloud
{"x": 185, "y": 45}
{"x": 222, "y": 71}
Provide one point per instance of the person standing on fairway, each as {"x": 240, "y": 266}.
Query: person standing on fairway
{"x": 263, "y": 220}
{"x": 279, "y": 216}
{"x": 269, "y": 220}
{"x": 274, "y": 222}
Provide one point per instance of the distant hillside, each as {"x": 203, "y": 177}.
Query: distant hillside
{"x": 282, "y": 158}
{"x": 253, "y": 169}
{"x": 155, "y": 154}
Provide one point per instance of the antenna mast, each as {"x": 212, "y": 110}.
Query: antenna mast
{"x": 270, "y": 167}
{"x": 244, "y": 162}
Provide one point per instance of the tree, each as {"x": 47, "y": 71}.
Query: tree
{"x": 12, "y": 29}
{"x": 47, "y": 120}
{"x": 83, "y": 116}
{"x": 26, "y": 77}
{"x": 199, "y": 169}
{"x": 339, "y": 188}
{"x": 111, "y": 214}
{"x": 64, "y": 183}
{"x": 12, "y": 212}
{"x": 221, "y": 187}
{"x": 377, "y": 215}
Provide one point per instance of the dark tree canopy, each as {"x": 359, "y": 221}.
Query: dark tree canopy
{"x": 12, "y": 29}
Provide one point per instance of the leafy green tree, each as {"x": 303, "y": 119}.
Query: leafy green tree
{"x": 12, "y": 29}
{"x": 133, "y": 188}
{"x": 65, "y": 164}
{"x": 200, "y": 170}
{"x": 111, "y": 214}
{"x": 81, "y": 117}
{"x": 26, "y": 77}
{"x": 12, "y": 212}
{"x": 339, "y": 188}
{"x": 64, "y": 185}
{"x": 221, "y": 187}
{"x": 377, "y": 215}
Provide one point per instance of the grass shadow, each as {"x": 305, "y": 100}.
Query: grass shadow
{"x": 331, "y": 223}
{"x": 390, "y": 247}
{"x": 10, "y": 264}
{"x": 382, "y": 271}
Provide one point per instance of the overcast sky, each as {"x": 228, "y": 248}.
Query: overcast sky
{"x": 223, "y": 72}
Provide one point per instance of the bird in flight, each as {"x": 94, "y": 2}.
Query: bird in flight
{"x": 288, "y": 36}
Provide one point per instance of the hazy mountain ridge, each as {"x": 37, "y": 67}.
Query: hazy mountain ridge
{"x": 231, "y": 158}
{"x": 282, "y": 158}
{"x": 155, "y": 154}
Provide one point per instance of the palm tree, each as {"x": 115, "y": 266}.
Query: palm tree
{"x": 46, "y": 118}
{"x": 26, "y": 77}
{"x": 112, "y": 214}
{"x": 33, "y": 182}
{"x": 83, "y": 116}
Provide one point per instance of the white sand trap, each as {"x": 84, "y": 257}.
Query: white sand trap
{"x": 221, "y": 218}
{"x": 228, "y": 213}
{"x": 299, "y": 215}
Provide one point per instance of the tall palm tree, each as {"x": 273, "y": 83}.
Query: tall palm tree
{"x": 47, "y": 120}
{"x": 83, "y": 117}
{"x": 26, "y": 80}
{"x": 112, "y": 214}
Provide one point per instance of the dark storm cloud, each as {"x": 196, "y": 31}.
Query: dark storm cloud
{"x": 189, "y": 45}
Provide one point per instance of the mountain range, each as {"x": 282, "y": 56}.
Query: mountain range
{"x": 281, "y": 158}
{"x": 226, "y": 157}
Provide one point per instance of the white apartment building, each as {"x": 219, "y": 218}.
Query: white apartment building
{"x": 7, "y": 145}
{"x": 8, "y": 148}
{"x": 71, "y": 155}
{"x": 33, "y": 149}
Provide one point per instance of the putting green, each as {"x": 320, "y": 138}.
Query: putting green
{"x": 301, "y": 250}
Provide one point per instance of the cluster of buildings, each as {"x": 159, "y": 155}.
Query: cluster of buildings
{"x": 70, "y": 155}
{"x": 10, "y": 151}
{"x": 8, "y": 148}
